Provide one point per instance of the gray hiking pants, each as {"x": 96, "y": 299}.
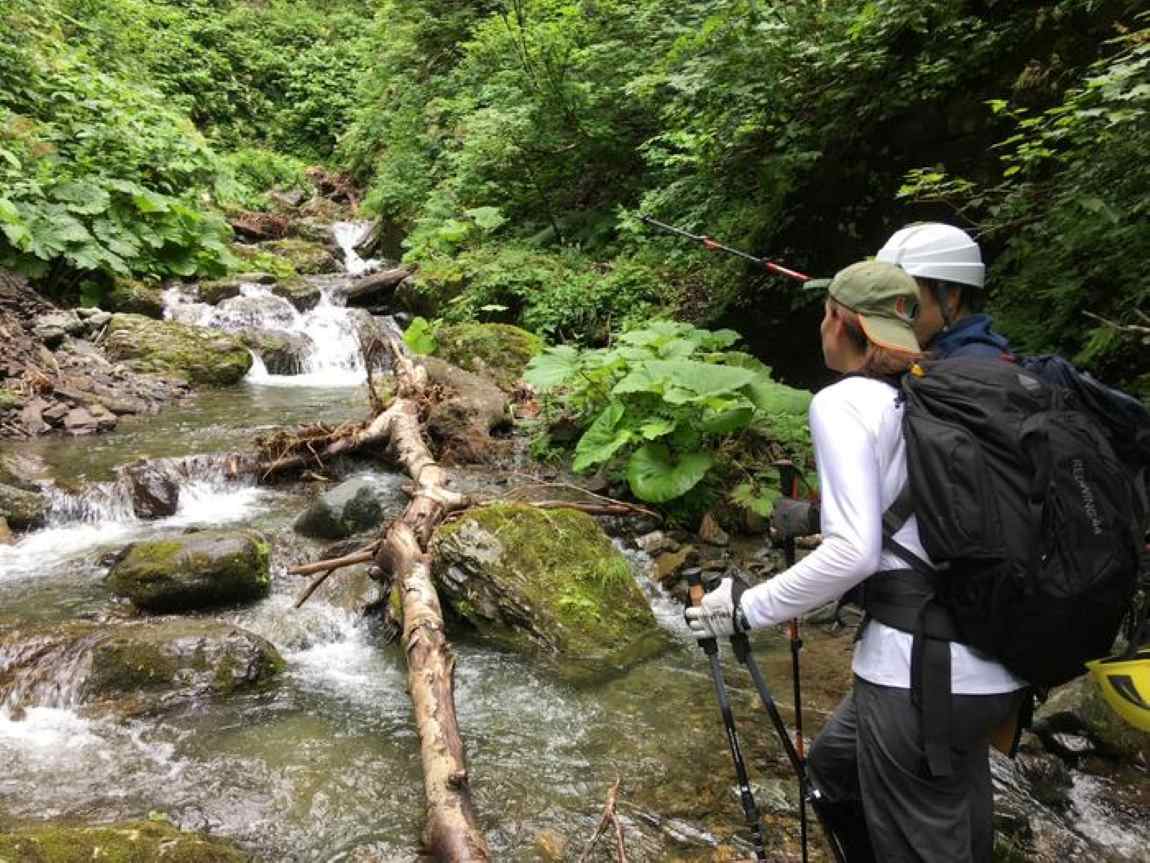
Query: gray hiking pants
{"x": 869, "y": 764}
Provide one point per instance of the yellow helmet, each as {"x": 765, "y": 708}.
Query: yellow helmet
{"x": 1125, "y": 684}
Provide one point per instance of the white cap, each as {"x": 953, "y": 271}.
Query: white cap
{"x": 933, "y": 250}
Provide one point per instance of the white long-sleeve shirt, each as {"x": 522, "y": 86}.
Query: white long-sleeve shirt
{"x": 856, "y": 425}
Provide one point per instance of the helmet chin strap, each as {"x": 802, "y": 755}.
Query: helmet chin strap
{"x": 942, "y": 297}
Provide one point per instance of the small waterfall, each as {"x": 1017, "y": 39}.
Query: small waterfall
{"x": 320, "y": 345}
{"x": 347, "y": 234}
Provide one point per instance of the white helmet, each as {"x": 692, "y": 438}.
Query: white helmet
{"x": 932, "y": 250}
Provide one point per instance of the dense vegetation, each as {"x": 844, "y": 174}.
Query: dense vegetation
{"x": 515, "y": 142}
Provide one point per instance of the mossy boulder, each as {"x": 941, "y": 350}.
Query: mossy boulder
{"x": 136, "y": 297}
{"x": 123, "y": 842}
{"x": 196, "y": 354}
{"x": 195, "y": 571}
{"x": 22, "y": 509}
{"x": 216, "y": 291}
{"x": 543, "y": 580}
{"x": 282, "y": 353}
{"x": 306, "y": 257}
{"x": 499, "y": 352}
{"x": 130, "y": 667}
{"x": 255, "y": 258}
{"x": 1078, "y": 708}
{"x": 299, "y": 292}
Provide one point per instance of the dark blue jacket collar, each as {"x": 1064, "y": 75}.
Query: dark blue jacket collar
{"x": 971, "y": 336}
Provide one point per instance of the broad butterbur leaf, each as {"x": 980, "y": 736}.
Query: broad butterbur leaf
{"x": 657, "y": 476}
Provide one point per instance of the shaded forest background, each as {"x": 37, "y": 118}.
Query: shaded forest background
{"x": 512, "y": 145}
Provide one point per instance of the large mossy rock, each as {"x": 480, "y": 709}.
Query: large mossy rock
{"x": 299, "y": 292}
{"x": 123, "y": 842}
{"x": 197, "y": 354}
{"x": 357, "y": 504}
{"x": 192, "y": 572}
{"x": 130, "y": 666}
{"x": 1078, "y": 709}
{"x": 546, "y": 580}
{"x": 499, "y": 352}
{"x": 306, "y": 257}
{"x": 282, "y": 353}
{"x": 22, "y": 509}
{"x": 135, "y": 297}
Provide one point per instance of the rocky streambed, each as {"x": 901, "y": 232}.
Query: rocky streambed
{"x": 155, "y": 676}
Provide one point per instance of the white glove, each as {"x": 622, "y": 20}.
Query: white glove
{"x": 719, "y": 613}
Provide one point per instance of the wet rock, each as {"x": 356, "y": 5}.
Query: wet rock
{"x": 200, "y": 355}
{"x": 711, "y": 533}
{"x": 192, "y": 572}
{"x": 216, "y": 291}
{"x": 123, "y": 841}
{"x": 299, "y": 292}
{"x": 1075, "y": 721}
{"x": 543, "y": 580}
{"x": 656, "y": 541}
{"x": 130, "y": 666}
{"x": 256, "y": 312}
{"x": 55, "y": 414}
{"x": 282, "y": 353}
{"x": 670, "y": 563}
{"x": 306, "y": 257}
{"x": 498, "y": 352}
{"x": 377, "y": 288}
{"x": 81, "y": 421}
{"x": 6, "y": 537}
{"x": 355, "y": 505}
{"x": 461, "y": 424}
{"x": 32, "y": 417}
{"x": 155, "y": 494}
{"x": 22, "y": 509}
{"x": 54, "y": 326}
{"x": 137, "y": 298}
{"x": 22, "y": 471}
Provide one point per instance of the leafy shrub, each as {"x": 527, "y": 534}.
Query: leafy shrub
{"x": 254, "y": 171}
{"x": 667, "y": 403}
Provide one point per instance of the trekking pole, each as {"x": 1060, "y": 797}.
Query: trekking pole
{"x": 789, "y": 480}
{"x": 741, "y": 646}
{"x": 715, "y": 246}
{"x": 710, "y": 647}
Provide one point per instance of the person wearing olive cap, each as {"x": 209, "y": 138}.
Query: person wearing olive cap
{"x": 869, "y": 760}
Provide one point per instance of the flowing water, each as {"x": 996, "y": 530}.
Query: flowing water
{"x": 328, "y": 760}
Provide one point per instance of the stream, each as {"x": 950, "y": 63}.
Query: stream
{"x": 327, "y": 761}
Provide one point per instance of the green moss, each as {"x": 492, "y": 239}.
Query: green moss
{"x": 254, "y": 258}
{"x": 576, "y": 587}
{"x": 199, "y": 355}
{"x": 122, "y": 665}
{"x": 10, "y": 400}
{"x": 498, "y": 351}
{"x": 136, "y": 297}
{"x": 307, "y": 258}
{"x": 128, "y": 842}
{"x": 218, "y": 290}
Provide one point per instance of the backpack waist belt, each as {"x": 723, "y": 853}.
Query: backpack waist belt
{"x": 904, "y": 599}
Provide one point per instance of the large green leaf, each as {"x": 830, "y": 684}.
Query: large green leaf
{"x": 603, "y": 439}
{"x": 657, "y": 477}
{"x": 552, "y": 368}
{"x": 82, "y": 197}
{"x": 420, "y": 336}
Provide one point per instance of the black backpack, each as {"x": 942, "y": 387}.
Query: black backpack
{"x": 1028, "y": 484}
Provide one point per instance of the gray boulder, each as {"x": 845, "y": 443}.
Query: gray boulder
{"x": 136, "y": 665}
{"x": 54, "y": 326}
{"x": 282, "y": 353}
{"x": 192, "y": 572}
{"x": 22, "y": 509}
{"x": 354, "y": 505}
{"x": 258, "y": 312}
{"x": 155, "y": 494}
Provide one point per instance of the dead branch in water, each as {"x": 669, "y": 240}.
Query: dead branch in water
{"x": 609, "y": 819}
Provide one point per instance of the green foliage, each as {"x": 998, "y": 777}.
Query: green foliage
{"x": 420, "y": 336}
{"x": 252, "y": 171}
{"x": 1071, "y": 205}
{"x": 670, "y": 402}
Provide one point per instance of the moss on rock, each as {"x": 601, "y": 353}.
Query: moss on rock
{"x": 543, "y": 579}
{"x": 499, "y": 352}
{"x": 299, "y": 292}
{"x": 136, "y": 297}
{"x": 22, "y": 509}
{"x": 200, "y": 570}
{"x": 255, "y": 258}
{"x": 197, "y": 354}
{"x": 125, "y": 842}
{"x": 307, "y": 258}
{"x": 10, "y": 400}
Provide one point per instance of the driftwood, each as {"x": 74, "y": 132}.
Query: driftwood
{"x": 609, "y": 819}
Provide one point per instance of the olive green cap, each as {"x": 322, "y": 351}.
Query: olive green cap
{"x": 886, "y": 300}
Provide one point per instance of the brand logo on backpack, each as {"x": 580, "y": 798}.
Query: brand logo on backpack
{"x": 1078, "y": 470}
